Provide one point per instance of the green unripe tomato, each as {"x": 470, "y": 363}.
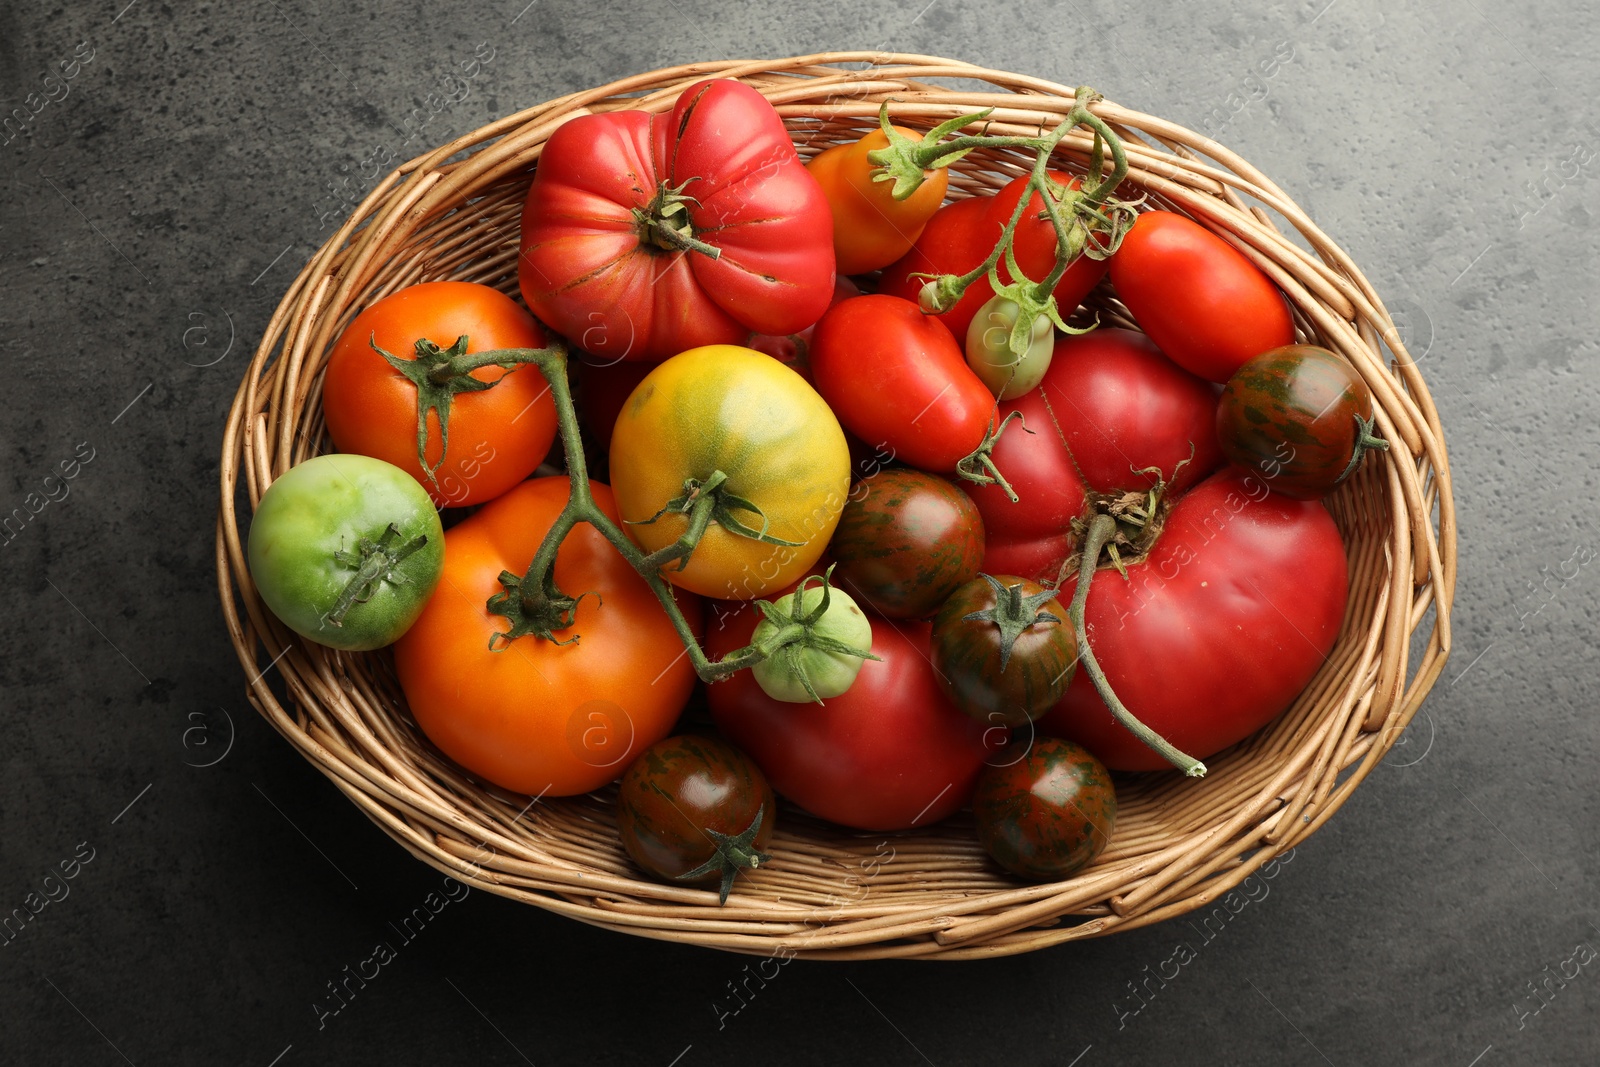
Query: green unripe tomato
{"x": 346, "y": 550}
{"x": 989, "y": 354}
{"x": 830, "y": 672}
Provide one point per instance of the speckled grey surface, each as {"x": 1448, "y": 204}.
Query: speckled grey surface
{"x": 157, "y": 201}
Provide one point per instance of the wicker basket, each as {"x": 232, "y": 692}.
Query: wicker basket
{"x": 830, "y": 893}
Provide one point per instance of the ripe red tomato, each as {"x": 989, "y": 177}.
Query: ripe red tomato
{"x": 537, "y": 717}
{"x": 897, "y": 379}
{"x": 1207, "y": 306}
{"x": 497, "y": 436}
{"x": 890, "y": 754}
{"x": 1217, "y": 630}
{"x": 644, "y": 236}
{"x": 1110, "y": 405}
{"x": 959, "y": 238}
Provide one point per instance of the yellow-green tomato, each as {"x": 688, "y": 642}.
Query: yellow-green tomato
{"x": 830, "y": 671}
{"x": 738, "y": 411}
{"x": 346, "y": 550}
{"x": 1008, "y": 374}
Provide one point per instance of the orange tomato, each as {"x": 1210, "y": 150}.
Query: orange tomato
{"x": 497, "y": 436}
{"x": 538, "y": 717}
{"x": 872, "y": 229}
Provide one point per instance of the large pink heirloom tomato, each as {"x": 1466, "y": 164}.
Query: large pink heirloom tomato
{"x": 647, "y": 235}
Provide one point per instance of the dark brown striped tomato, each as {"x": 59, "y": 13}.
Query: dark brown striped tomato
{"x": 1048, "y": 813}
{"x": 905, "y": 541}
{"x": 1003, "y": 650}
{"x": 696, "y": 810}
{"x": 1300, "y": 416}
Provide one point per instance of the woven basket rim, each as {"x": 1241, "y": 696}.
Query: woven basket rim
{"x": 439, "y": 216}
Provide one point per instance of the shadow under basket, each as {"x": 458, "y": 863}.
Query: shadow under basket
{"x": 1180, "y": 844}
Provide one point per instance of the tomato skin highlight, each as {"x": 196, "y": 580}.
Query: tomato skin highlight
{"x": 739, "y": 411}
{"x": 905, "y": 541}
{"x": 1289, "y": 416}
{"x": 680, "y": 787}
{"x": 1207, "y": 306}
{"x": 1110, "y": 405}
{"x": 540, "y": 717}
{"x": 328, "y": 504}
{"x": 1217, "y": 631}
{"x": 871, "y": 229}
{"x": 498, "y": 436}
{"x": 890, "y": 754}
{"x": 898, "y": 380}
{"x": 958, "y": 238}
{"x": 1047, "y": 814}
{"x": 591, "y": 269}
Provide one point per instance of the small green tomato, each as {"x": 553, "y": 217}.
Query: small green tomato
{"x": 346, "y": 550}
{"x": 825, "y": 661}
{"x": 990, "y": 356}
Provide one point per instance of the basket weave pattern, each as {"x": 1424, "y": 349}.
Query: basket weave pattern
{"x": 829, "y": 893}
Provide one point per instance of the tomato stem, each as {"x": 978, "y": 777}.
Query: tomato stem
{"x": 1366, "y": 441}
{"x": 1100, "y": 531}
{"x": 439, "y": 374}
{"x": 374, "y": 562}
{"x": 734, "y": 853}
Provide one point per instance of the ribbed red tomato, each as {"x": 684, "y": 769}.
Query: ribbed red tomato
{"x": 647, "y": 235}
{"x": 1217, "y": 631}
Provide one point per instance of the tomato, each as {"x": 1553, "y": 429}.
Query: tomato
{"x": 1047, "y": 814}
{"x": 1217, "y": 630}
{"x": 889, "y": 754}
{"x": 346, "y": 550}
{"x": 906, "y": 540}
{"x": 538, "y": 717}
{"x": 1003, "y": 651}
{"x": 958, "y": 238}
{"x": 497, "y": 436}
{"x": 1300, "y": 416}
{"x": 897, "y": 379}
{"x": 644, "y": 236}
{"x": 696, "y": 810}
{"x": 734, "y": 410}
{"x": 1207, "y": 306}
{"x": 871, "y": 229}
{"x": 813, "y": 670}
{"x": 988, "y": 348}
{"x": 1110, "y": 405}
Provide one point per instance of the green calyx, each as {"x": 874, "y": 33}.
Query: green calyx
{"x": 705, "y": 502}
{"x": 734, "y": 853}
{"x": 1014, "y": 613}
{"x": 533, "y": 608}
{"x": 978, "y": 466}
{"x": 439, "y": 374}
{"x": 1086, "y": 220}
{"x": 664, "y": 222}
{"x": 906, "y": 160}
{"x": 797, "y": 627}
{"x": 374, "y": 563}
{"x": 1366, "y": 441}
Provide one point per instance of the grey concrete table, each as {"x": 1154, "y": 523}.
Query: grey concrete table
{"x": 174, "y": 165}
